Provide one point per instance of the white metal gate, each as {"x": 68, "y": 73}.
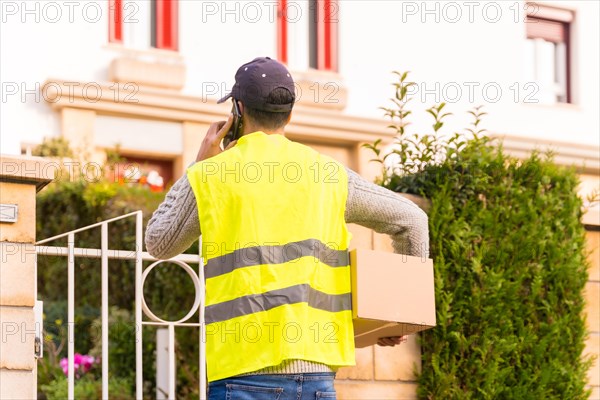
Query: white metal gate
{"x": 105, "y": 254}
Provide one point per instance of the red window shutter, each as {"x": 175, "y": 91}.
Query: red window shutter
{"x": 282, "y": 55}
{"x": 327, "y": 32}
{"x": 115, "y": 21}
{"x": 167, "y": 24}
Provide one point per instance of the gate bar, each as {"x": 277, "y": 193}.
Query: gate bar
{"x": 202, "y": 333}
{"x": 139, "y": 386}
{"x": 71, "y": 316}
{"x": 59, "y": 251}
{"x": 103, "y": 249}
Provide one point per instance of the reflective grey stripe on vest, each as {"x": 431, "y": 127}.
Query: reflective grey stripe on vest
{"x": 279, "y": 254}
{"x": 303, "y": 293}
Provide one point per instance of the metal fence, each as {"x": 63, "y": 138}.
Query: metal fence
{"x": 105, "y": 254}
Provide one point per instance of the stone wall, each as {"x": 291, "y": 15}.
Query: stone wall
{"x": 20, "y": 178}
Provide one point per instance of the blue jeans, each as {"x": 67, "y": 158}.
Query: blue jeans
{"x": 308, "y": 386}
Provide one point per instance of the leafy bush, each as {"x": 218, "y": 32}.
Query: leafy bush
{"x": 53, "y": 147}
{"x": 121, "y": 345}
{"x": 88, "y": 388}
{"x": 510, "y": 267}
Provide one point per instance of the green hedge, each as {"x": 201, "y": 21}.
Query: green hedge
{"x": 510, "y": 265}
{"x": 510, "y": 268}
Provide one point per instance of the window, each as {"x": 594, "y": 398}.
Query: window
{"x": 307, "y": 33}
{"x": 144, "y": 24}
{"x": 157, "y": 174}
{"x": 547, "y": 53}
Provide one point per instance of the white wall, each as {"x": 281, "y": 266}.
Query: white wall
{"x": 37, "y": 49}
{"x": 218, "y": 37}
{"x": 376, "y": 37}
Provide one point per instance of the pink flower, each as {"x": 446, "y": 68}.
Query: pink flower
{"x": 82, "y": 363}
{"x": 87, "y": 362}
{"x": 64, "y": 364}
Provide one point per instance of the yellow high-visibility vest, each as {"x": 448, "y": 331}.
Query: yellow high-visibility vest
{"x": 275, "y": 247}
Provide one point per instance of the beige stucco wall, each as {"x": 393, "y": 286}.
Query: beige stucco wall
{"x": 19, "y": 179}
{"x": 592, "y": 311}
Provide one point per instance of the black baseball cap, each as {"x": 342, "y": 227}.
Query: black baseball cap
{"x": 255, "y": 80}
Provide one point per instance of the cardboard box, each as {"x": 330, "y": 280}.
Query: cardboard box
{"x": 392, "y": 295}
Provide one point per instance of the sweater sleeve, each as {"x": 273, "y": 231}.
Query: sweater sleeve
{"x": 174, "y": 226}
{"x": 386, "y": 212}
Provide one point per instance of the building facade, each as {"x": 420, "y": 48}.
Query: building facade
{"x": 145, "y": 75}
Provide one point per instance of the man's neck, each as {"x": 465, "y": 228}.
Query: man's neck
{"x": 251, "y": 129}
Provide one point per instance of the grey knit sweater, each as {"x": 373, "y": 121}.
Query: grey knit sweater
{"x": 174, "y": 226}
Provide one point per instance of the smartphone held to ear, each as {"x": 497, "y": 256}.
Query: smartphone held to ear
{"x": 236, "y": 126}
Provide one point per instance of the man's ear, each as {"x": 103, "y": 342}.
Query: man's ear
{"x": 241, "y": 106}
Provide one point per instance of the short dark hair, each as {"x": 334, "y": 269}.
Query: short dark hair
{"x": 271, "y": 120}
